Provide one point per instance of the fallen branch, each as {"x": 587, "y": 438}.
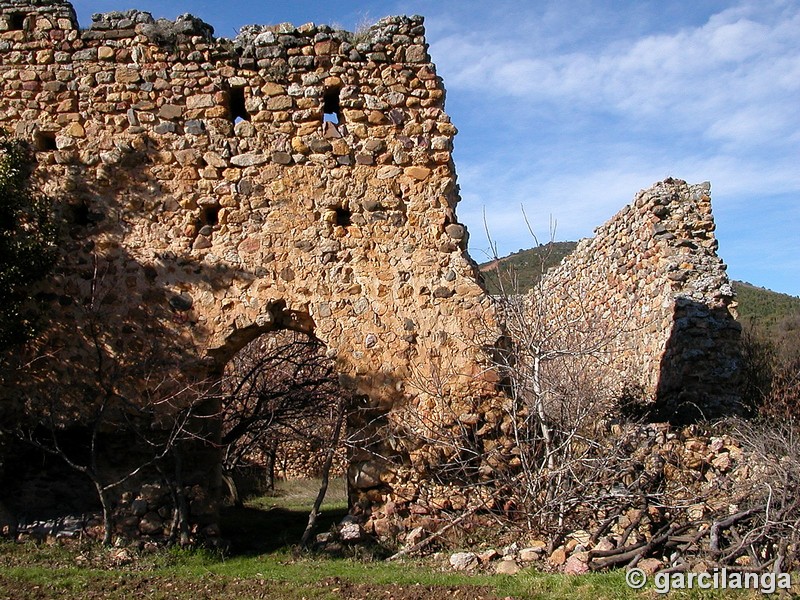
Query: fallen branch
{"x": 720, "y": 526}
{"x": 632, "y": 554}
{"x": 438, "y": 534}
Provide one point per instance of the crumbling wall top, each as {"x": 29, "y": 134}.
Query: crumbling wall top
{"x": 393, "y": 39}
{"x": 30, "y": 15}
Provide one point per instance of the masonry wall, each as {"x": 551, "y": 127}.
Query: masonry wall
{"x": 654, "y": 298}
{"x": 301, "y": 178}
{"x": 217, "y": 189}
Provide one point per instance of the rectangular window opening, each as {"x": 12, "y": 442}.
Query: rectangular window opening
{"x": 45, "y": 141}
{"x": 344, "y": 217}
{"x": 331, "y": 111}
{"x": 210, "y": 216}
{"x": 237, "y": 109}
{"x": 16, "y": 21}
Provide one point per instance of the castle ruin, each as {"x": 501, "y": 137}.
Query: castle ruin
{"x": 292, "y": 178}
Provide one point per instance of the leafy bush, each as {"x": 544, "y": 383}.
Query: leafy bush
{"x": 27, "y": 242}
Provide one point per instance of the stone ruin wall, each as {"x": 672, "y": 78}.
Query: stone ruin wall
{"x": 656, "y": 297}
{"x": 211, "y": 200}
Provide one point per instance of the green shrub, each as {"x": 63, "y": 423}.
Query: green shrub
{"x": 27, "y": 242}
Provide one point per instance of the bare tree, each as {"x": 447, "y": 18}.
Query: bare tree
{"x": 109, "y": 395}
{"x": 279, "y": 390}
{"x": 156, "y": 436}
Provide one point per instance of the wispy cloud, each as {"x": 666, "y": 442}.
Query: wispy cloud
{"x": 742, "y": 66}
{"x": 572, "y": 118}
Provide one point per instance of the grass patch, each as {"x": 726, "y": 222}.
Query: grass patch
{"x": 265, "y": 563}
{"x": 191, "y": 574}
{"x": 299, "y": 495}
{"x": 277, "y": 521}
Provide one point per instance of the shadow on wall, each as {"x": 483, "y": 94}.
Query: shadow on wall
{"x": 699, "y": 372}
{"x": 119, "y": 362}
{"x": 113, "y": 372}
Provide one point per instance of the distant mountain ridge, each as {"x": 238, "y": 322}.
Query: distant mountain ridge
{"x": 521, "y": 270}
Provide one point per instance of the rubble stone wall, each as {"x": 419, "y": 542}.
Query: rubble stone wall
{"x": 215, "y": 189}
{"x": 656, "y": 296}
{"x": 302, "y": 178}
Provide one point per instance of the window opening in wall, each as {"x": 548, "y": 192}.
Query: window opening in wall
{"x": 45, "y": 141}
{"x": 238, "y": 111}
{"x": 16, "y": 21}
{"x": 344, "y": 217}
{"x": 210, "y": 215}
{"x": 331, "y": 112}
{"x": 80, "y": 214}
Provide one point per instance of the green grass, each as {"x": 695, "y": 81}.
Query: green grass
{"x": 282, "y": 574}
{"x": 264, "y": 562}
{"x": 284, "y": 514}
{"x": 299, "y": 495}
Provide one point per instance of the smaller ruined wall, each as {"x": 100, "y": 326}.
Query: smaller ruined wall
{"x": 656, "y": 295}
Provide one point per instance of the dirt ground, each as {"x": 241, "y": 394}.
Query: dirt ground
{"x": 215, "y": 588}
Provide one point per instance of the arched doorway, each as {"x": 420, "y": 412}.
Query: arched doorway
{"x": 282, "y": 413}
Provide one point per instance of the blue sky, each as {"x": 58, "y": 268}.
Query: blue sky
{"x": 569, "y": 107}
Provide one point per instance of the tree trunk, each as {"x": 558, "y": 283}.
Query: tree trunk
{"x": 272, "y": 457}
{"x": 233, "y": 489}
{"x": 180, "y": 522}
{"x": 326, "y": 471}
{"x": 108, "y": 520}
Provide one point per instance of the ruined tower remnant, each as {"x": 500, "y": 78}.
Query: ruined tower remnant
{"x": 655, "y": 303}
{"x": 218, "y": 189}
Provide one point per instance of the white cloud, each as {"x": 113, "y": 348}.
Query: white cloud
{"x": 733, "y": 67}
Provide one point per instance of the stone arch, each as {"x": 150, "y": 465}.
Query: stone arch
{"x": 281, "y": 402}
{"x": 275, "y": 316}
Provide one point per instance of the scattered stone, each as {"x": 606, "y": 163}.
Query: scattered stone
{"x": 604, "y": 544}
{"x": 577, "y": 564}
{"x": 507, "y": 566}
{"x": 464, "y": 561}
{"x": 558, "y": 557}
{"x": 139, "y": 506}
{"x": 120, "y": 556}
{"x": 324, "y": 538}
{"x": 351, "y": 533}
{"x": 415, "y": 536}
{"x": 151, "y": 524}
{"x": 538, "y": 546}
{"x": 530, "y": 554}
{"x": 650, "y": 565}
